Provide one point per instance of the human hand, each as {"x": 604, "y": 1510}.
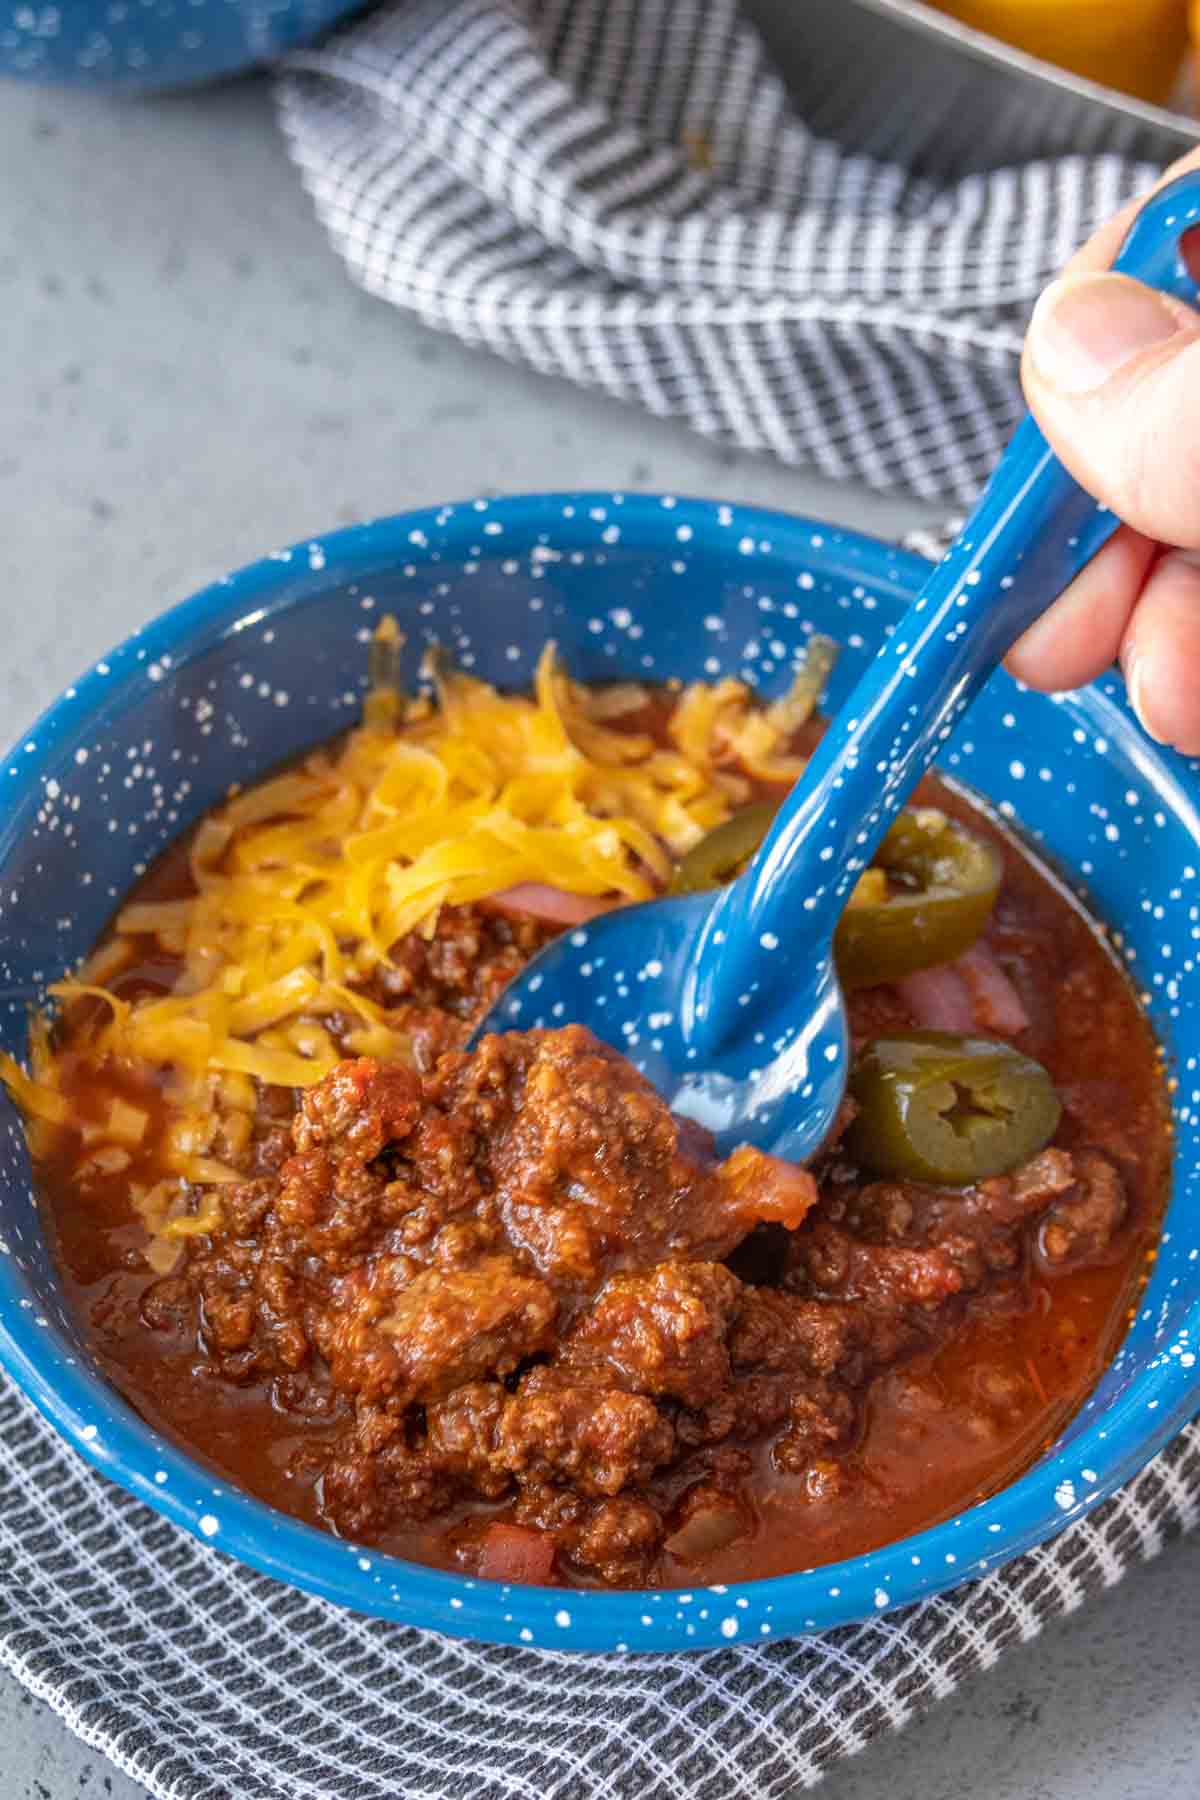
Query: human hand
{"x": 1112, "y": 374}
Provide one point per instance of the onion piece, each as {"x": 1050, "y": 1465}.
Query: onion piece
{"x": 973, "y": 993}
{"x": 556, "y": 906}
{"x": 938, "y": 999}
{"x": 995, "y": 1002}
{"x": 708, "y": 1528}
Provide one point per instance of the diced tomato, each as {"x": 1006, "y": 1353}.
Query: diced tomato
{"x": 764, "y": 1187}
{"x": 514, "y": 1553}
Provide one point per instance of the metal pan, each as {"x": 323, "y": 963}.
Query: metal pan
{"x": 902, "y": 81}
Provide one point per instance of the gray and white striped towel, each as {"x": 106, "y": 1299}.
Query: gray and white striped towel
{"x": 617, "y": 191}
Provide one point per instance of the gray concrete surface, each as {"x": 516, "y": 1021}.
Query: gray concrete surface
{"x": 187, "y": 380}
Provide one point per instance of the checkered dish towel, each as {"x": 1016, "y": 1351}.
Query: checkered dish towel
{"x": 617, "y": 191}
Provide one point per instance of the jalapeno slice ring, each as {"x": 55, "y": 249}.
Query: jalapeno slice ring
{"x": 942, "y": 882}
{"x": 937, "y": 1107}
{"x": 935, "y": 885}
{"x": 724, "y": 851}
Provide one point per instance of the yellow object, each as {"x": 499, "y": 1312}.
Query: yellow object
{"x": 1136, "y": 46}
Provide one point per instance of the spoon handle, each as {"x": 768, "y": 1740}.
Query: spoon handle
{"x": 1034, "y": 529}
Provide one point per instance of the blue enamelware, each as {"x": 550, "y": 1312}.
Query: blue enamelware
{"x": 750, "y": 1035}
{"x": 154, "y": 43}
{"x": 273, "y": 659}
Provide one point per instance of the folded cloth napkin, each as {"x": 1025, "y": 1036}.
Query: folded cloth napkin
{"x": 618, "y": 192}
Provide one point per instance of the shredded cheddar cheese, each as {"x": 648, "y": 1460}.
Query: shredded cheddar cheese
{"x": 305, "y": 883}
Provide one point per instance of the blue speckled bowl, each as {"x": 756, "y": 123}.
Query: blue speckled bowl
{"x": 153, "y": 43}
{"x": 272, "y": 659}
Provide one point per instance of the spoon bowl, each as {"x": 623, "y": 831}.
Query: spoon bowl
{"x": 729, "y": 1002}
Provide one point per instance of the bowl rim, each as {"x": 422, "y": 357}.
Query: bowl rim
{"x": 97, "y": 1422}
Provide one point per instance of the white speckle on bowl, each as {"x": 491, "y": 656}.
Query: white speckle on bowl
{"x": 1064, "y": 1495}
{"x": 729, "y": 1627}
{"x": 209, "y": 1525}
{"x": 562, "y": 1619}
{"x": 882, "y": 1597}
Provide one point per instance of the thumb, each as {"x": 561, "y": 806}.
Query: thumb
{"x": 1112, "y": 375}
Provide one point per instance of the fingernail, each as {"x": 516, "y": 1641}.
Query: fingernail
{"x": 1134, "y": 668}
{"x": 1086, "y": 327}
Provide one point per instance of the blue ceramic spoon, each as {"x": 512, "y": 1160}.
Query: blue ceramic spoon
{"x": 729, "y": 1001}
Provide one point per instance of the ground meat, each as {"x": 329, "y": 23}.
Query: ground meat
{"x": 458, "y": 972}
{"x": 833, "y": 1261}
{"x": 754, "y": 1403}
{"x": 663, "y": 1332}
{"x": 1081, "y": 1224}
{"x": 364, "y": 1496}
{"x": 432, "y": 1239}
{"x": 461, "y": 1435}
{"x": 778, "y": 1331}
{"x": 599, "y": 1440}
{"x": 167, "y": 1305}
{"x": 821, "y": 1418}
{"x": 408, "y": 1337}
{"x": 978, "y": 1228}
{"x": 617, "y": 1538}
{"x": 588, "y": 1170}
{"x": 246, "y": 1205}
{"x": 503, "y": 1282}
{"x": 360, "y": 1107}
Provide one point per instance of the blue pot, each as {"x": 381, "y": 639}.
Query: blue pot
{"x": 272, "y": 659}
{"x": 153, "y": 43}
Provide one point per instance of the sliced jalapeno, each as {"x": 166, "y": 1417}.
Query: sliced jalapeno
{"x": 952, "y": 1110}
{"x": 724, "y": 851}
{"x": 942, "y": 886}
{"x": 925, "y": 900}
